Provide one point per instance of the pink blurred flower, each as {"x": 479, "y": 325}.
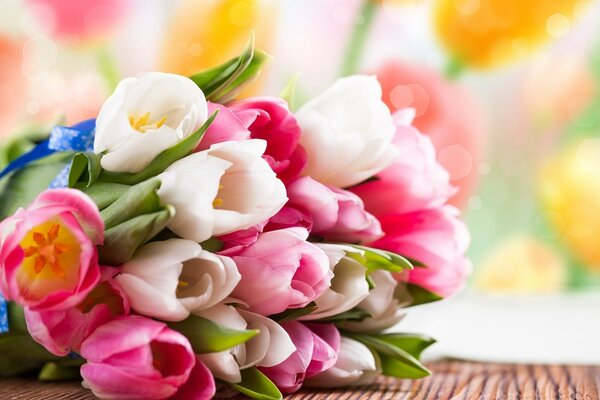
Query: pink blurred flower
{"x": 266, "y": 118}
{"x": 445, "y": 112}
{"x": 48, "y": 256}
{"x": 415, "y": 182}
{"x": 280, "y": 270}
{"x": 317, "y": 347}
{"x": 13, "y": 86}
{"x": 82, "y": 18}
{"x": 438, "y": 239}
{"x": 63, "y": 331}
{"x": 138, "y": 358}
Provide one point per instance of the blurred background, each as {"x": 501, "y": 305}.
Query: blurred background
{"x": 508, "y": 90}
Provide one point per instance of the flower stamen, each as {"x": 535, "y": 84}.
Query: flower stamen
{"x": 46, "y": 251}
{"x": 143, "y": 124}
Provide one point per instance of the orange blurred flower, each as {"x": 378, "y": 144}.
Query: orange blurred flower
{"x": 570, "y": 194}
{"x": 487, "y": 33}
{"x": 445, "y": 112}
{"x": 206, "y": 33}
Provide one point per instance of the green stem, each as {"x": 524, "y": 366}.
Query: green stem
{"x": 356, "y": 45}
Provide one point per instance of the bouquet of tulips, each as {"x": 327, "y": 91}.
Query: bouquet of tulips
{"x": 186, "y": 241}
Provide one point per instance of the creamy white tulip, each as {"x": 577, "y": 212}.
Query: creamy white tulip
{"x": 145, "y": 116}
{"x": 355, "y": 366}
{"x": 169, "y": 279}
{"x": 221, "y": 190}
{"x": 349, "y": 284}
{"x": 267, "y": 349}
{"x": 384, "y": 303}
{"x": 347, "y": 132}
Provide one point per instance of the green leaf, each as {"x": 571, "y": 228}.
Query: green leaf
{"x": 137, "y": 200}
{"x": 19, "y": 354}
{"x": 56, "y": 371}
{"x": 162, "y": 161}
{"x": 86, "y": 167}
{"x": 24, "y": 141}
{"x": 375, "y": 259}
{"x": 213, "y": 245}
{"x": 355, "y": 314}
{"x": 289, "y": 91}
{"x": 294, "y": 313}
{"x": 394, "y": 360}
{"x": 103, "y": 193}
{"x": 21, "y": 187}
{"x": 414, "y": 344}
{"x": 207, "y": 336}
{"x": 256, "y": 385}
{"x": 246, "y": 77}
{"x": 121, "y": 241}
{"x": 16, "y": 318}
{"x": 420, "y": 295}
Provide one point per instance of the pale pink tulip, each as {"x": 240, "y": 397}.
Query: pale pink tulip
{"x": 48, "y": 256}
{"x": 280, "y": 270}
{"x": 317, "y": 347}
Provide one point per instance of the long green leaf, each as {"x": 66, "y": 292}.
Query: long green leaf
{"x": 207, "y": 336}
{"x": 375, "y": 259}
{"x": 56, "y": 371}
{"x": 103, "y": 193}
{"x": 19, "y": 354}
{"x": 162, "y": 161}
{"x": 294, "y": 313}
{"x": 256, "y": 385}
{"x": 355, "y": 314}
{"x": 85, "y": 167}
{"x": 121, "y": 241}
{"x": 414, "y": 344}
{"x": 137, "y": 200}
{"x": 421, "y": 295}
{"x": 246, "y": 77}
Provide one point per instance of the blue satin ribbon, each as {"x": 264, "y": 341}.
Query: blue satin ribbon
{"x": 3, "y": 315}
{"x": 79, "y": 137}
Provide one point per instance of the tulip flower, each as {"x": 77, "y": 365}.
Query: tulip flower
{"x": 61, "y": 332}
{"x": 490, "y": 33}
{"x": 446, "y": 113}
{"x": 347, "y": 132}
{"x": 221, "y": 190}
{"x": 348, "y": 287}
{"x": 145, "y": 116}
{"x": 436, "y": 238}
{"x": 384, "y": 302}
{"x": 355, "y": 366}
{"x": 48, "y": 256}
{"x": 317, "y": 346}
{"x": 280, "y": 270}
{"x": 270, "y": 347}
{"x": 169, "y": 279}
{"x": 314, "y": 199}
{"x": 570, "y": 193}
{"x": 138, "y": 358}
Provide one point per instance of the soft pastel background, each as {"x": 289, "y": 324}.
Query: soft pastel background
{"x": 506, "y": 89}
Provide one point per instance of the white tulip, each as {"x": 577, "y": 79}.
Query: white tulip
{"x": 221, "y": 190}
{"x": 169, "y": 279}
{"x": 347, "y": 132}
{"x": 349, "y": 284}
{"x": 270, "y": 347}
{"x": 384, "y": 303}
{"x": 355, "y": 366}
{"x": 145, "y": 116}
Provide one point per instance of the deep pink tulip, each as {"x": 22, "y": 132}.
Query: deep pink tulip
{"x": 135, "y": 357}
{"x": 48, "y": 256}
{"x": 61, "y": 332}
{"x": 280, "y": 270}
{"x": 438, "y": 239}
{"x": 317, "y": 347}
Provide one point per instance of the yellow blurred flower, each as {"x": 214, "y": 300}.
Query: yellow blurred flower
{"x": 203, "y": 34}
{"x": 570, "y": 193}
{"x": 522, "y": 264}
{"x": 487, "y": 33}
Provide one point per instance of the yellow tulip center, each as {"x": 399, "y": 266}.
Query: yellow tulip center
{"x": 143, "y": 123}
{"x": 51, "y": 259}
{"x": 218, "y": 201}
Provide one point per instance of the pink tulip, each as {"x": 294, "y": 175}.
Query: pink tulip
{"x": 315, "y": 199}
{"x": 317, "y": 347}
{"x": 445, "y": 112}
{"x": 135, "y": 357}
{"x": 280, "y": 270}
{"x": 415, "y": 182}
{"x": 266, "y": 118}
{"x": 48, "y": 256}
{"x": 61, "y": 332}
{"x": 438, "y": 239}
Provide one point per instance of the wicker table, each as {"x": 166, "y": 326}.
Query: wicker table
{"x": 456, "y": 380}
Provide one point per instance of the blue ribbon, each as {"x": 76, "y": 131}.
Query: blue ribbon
{"x": 3, "y": 315}
{"x": 79, "y": 137}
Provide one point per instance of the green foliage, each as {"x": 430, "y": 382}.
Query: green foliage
{"x": 375, "y": 259}
{"x": 256, "y": 385}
